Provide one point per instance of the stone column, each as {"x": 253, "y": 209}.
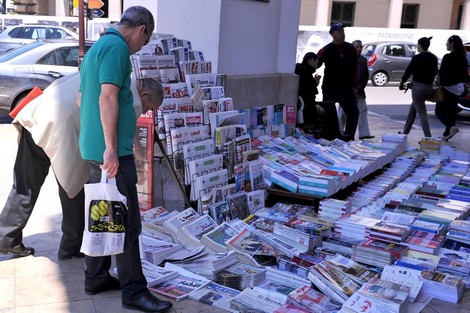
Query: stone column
{"x": 323, "y": 13}
{"x": 395, "y": 12}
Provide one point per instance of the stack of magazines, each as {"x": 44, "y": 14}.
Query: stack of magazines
{"x": 454, "y": 262}
{"x": 383, "y": 295}
{"x": 332, "y": 282}
{"x": 307, "y": 298}
{"x": 333, "y": 209}
{"x": 360, "y": 274}
{"x": 240, "y": 276}
{"x": 389, "y": 232}
{"x": 355, "y": 226}
{"x": 459, "y": 230}
{"x": 377, "y": 252}
{"x": 442, "y": 286}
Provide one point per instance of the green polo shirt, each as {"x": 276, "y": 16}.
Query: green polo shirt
{"x": 107, "y": 62}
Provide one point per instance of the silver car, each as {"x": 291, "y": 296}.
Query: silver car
{"x": 35, "y": 64}
{"x": 387, "y": 61}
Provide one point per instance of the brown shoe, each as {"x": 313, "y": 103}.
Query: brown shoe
{"x": 19, "y": 251}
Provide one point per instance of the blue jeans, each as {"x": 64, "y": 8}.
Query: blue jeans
{"x": 133, "y": 282}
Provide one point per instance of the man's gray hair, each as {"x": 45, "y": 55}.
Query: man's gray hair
{"x": 359, "y": 42}
{"x": 137, "y": 15}
{"x": 150, "y": 84}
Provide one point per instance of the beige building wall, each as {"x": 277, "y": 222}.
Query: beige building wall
{"x": 307, "y": 12}
{"x": 364, "y": 16}
{"x": 433, "y": 14}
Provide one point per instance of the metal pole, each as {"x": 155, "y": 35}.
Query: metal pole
{"x": 81, "y": 31}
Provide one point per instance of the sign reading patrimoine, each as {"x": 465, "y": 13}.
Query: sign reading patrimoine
{"x": 313, "y": 38}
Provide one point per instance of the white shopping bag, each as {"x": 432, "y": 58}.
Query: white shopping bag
{"x": 105, "y": 214}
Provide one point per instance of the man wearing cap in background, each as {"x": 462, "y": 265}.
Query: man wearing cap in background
{"x": 340, "y": 76}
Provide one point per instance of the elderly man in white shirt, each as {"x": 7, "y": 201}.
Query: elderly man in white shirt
{"x": 49, "y": 127}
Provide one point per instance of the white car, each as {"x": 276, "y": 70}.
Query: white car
{"x": 13, "y": 36}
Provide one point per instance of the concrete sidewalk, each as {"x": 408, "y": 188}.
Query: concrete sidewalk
{"x": 44, "y": 284}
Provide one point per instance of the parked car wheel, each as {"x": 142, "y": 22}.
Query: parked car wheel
{"x": 19, "y": 98}
{"x": 464, "y": 104}
{"x": 379, "y": 79}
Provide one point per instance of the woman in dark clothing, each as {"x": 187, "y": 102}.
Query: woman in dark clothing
{"x": 423, "y": 68}
{"x": 308, "y": 89}
{"x": 452, "y": 77}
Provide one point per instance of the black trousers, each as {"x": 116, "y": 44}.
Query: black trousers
{"x": 133, "y": 282}
{"x": 29, "y": 173}
{"x": 446, "y": 110}
{"x": 346, "y": 98}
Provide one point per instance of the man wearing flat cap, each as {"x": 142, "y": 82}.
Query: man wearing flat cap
{"x": 340, "y": 76}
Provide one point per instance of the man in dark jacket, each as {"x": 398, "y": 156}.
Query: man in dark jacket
{"x": 308, "y": 90}
{"x": 340, "y": 59}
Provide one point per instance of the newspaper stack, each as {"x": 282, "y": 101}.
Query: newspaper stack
{"x": 155, "y": 274}
{"x": 182, "y": 285}
{"x": 210, "y": 264}
{"x": 257, "y": 299}
{"x": 240, "y": 276}
{"x": 215, "y": 295}
{"x": 286, "y": 278}
{"x": 155, "y": 251}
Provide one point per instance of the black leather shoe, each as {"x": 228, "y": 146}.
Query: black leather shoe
{"x": 67, "y": 256}
{"x": 345, "y": 138}
{"x": 112, "y": 284}
{"x": 366, "y": 137}
{"x": 19, "y": 251}
{"x": 147, "y": 303}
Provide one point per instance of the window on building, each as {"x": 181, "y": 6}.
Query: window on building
{"x": 343, "y": 12}
{"x": 409, "y": 17}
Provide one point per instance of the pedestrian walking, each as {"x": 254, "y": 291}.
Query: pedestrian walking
{"x": 453, "y": 77}
{"x": 423, "y": 70}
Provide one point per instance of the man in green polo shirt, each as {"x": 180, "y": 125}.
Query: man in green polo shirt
{"x": 108, "y": 120}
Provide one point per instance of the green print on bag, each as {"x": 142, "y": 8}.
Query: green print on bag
{"x": 107, "y": 216}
